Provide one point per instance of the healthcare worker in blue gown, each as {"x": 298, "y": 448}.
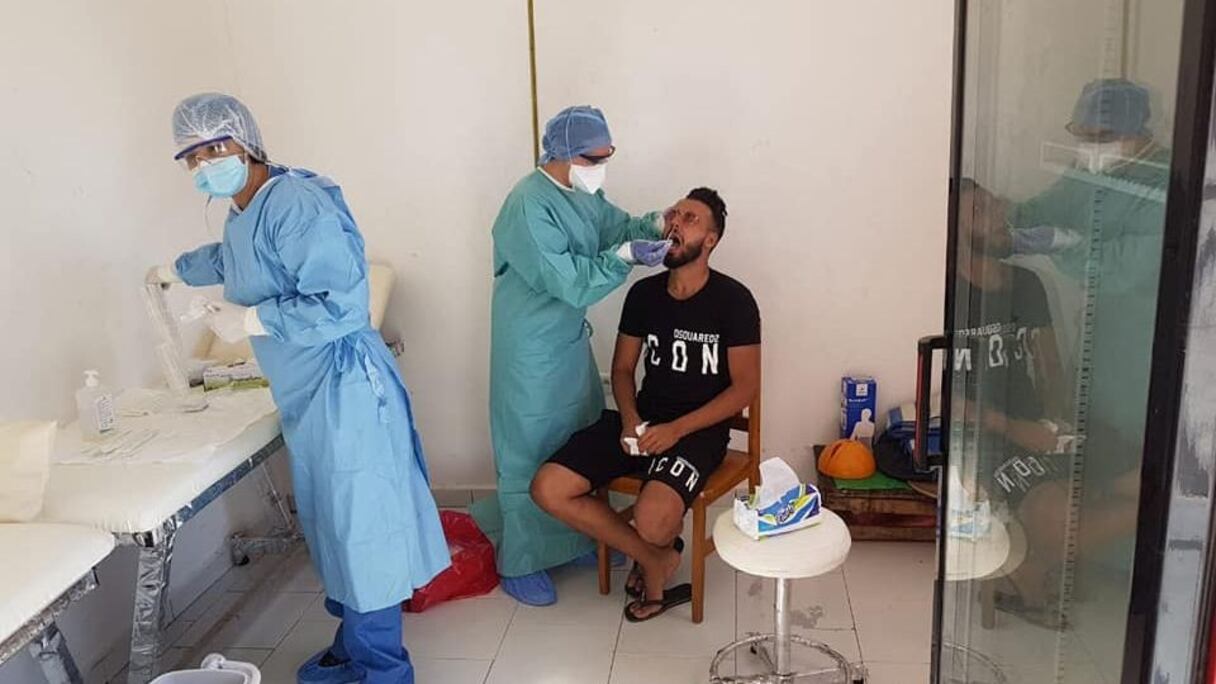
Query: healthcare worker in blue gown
{"x": 295, "y": 281}
{"x": 559, "y": 246}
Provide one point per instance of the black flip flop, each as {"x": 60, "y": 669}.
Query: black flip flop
{"x": 675, "y": 596}
{"x": 634, "y": 592}
{"x": 1039, "y": 615}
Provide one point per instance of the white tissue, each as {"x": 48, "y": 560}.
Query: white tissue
{"x": 776, "y": 478}
{"x": 632, "y": 442}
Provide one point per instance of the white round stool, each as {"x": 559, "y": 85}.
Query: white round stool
{"x": 809, "y": 552}
{"x": 993, "y": 555}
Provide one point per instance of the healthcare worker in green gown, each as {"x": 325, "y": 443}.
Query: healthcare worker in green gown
{"x": 1101, "y": 225}
{"x": 1105, "y": 220}
{"x": 559, "y": 246}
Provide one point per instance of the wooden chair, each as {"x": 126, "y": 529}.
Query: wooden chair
{"x": 737, "y": 467}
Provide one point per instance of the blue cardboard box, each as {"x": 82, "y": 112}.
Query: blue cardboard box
{"x": 858, "y": 408}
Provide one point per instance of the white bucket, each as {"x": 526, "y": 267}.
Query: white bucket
{"x": 214, "y": 670}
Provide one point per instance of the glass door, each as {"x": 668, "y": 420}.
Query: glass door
{"x": 1063, "y": 132}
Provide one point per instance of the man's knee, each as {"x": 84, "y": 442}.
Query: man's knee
{"x": 554, "y": 485}
{"x": 658, "y": 514}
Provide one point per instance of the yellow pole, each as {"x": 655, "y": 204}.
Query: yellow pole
{"x": 532, "y": 70}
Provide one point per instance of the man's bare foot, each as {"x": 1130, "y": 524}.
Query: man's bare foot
{"x": 635, "y": 584}
{"x": 655, "y": 576}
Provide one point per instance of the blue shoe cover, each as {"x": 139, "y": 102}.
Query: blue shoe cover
{"x": 532, "y": 590}
{"x": 312, "y": 672}
{"x": 591, "y": 560}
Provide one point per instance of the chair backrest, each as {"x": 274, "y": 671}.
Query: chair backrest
{"x": 749, "y": 422}
{"x": 380, "y": 280}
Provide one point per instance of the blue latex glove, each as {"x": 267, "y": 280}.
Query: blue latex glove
{"x": 645, "y": 252}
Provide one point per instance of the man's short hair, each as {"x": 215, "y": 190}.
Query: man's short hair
{"x": 710, "y": 198}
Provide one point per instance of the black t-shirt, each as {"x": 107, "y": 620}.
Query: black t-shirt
{"x": 997, "y": 349}
{"x": 685, "y": 342}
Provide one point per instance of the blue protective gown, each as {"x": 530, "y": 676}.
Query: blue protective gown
{"x": 553, "y": 257}
{"x": 360, "y": 481}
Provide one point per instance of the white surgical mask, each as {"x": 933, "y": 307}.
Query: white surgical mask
{"x": 1101, "y": 157}
{"x": 589, "y": 179}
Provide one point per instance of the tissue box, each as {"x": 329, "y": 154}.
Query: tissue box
{"x": 970, "y": 522}
{"x": 796, "y": 509}
{"x": 858, "y": 394}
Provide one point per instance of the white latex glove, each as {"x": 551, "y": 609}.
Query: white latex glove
{"x": 660, "y": 220}
{"x": 233, "y": 322}
{"x": 164, "y": 275}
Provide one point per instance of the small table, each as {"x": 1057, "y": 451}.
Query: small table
{"x": 881, "y": 514}
{"x": 809, "y": 552}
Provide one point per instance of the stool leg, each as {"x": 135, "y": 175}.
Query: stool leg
{"x": 781, "y": 631}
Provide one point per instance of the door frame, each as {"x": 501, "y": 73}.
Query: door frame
{"x": 1193, "y": 108}
{"x": 1184, "y": 201}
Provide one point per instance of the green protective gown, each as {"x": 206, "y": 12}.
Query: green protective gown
{"x": 554, "y": 255}
{"x": 1124, "y": 219}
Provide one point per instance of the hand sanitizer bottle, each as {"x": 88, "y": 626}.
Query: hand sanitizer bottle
{"x": 95, "y": 406}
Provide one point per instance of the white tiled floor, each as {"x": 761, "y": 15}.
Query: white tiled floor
{"x": 875, "y": 610}
{"x": 272, "y": 613}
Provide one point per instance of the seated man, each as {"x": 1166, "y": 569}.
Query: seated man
{"x": 701, "y": 331}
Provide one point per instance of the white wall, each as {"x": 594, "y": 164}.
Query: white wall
{"x": 434, "y": 130}
{"x": 825, "y": 126}
{"x": 1036, "y": 58}
{"x": 92, "y": 199}
{"x": 422, "y": 114}
{"x": 89, "y": 185}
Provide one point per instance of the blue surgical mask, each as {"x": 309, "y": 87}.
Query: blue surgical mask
{"x": 223, "y": 177}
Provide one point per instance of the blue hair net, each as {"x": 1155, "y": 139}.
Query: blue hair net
{"x": 1113, "y": 105}
{"x": 574, "y": 131}
{"x": 211, "y": 116}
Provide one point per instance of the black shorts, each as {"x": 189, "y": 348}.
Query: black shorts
{"x": 596, "y": 453}
{"x": 1021, "y": 470}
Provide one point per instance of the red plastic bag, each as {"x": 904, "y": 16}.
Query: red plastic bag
{"x": 473, "y": 571}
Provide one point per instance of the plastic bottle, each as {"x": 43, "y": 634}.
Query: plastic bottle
{"x": 95, "y": 406}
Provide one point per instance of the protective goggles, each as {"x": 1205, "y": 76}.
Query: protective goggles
{"x": 208, "y": 151}
{"x": 598, "y": 158}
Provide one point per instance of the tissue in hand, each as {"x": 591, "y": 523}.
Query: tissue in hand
{"x": 632, "y": 442}
{"x": 780, "y": 504}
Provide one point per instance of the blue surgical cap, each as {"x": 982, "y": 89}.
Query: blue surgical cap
{"x": 575, "y": 131}
{"x": 1112, "y": 105}
{"x": 212, "y": 116}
